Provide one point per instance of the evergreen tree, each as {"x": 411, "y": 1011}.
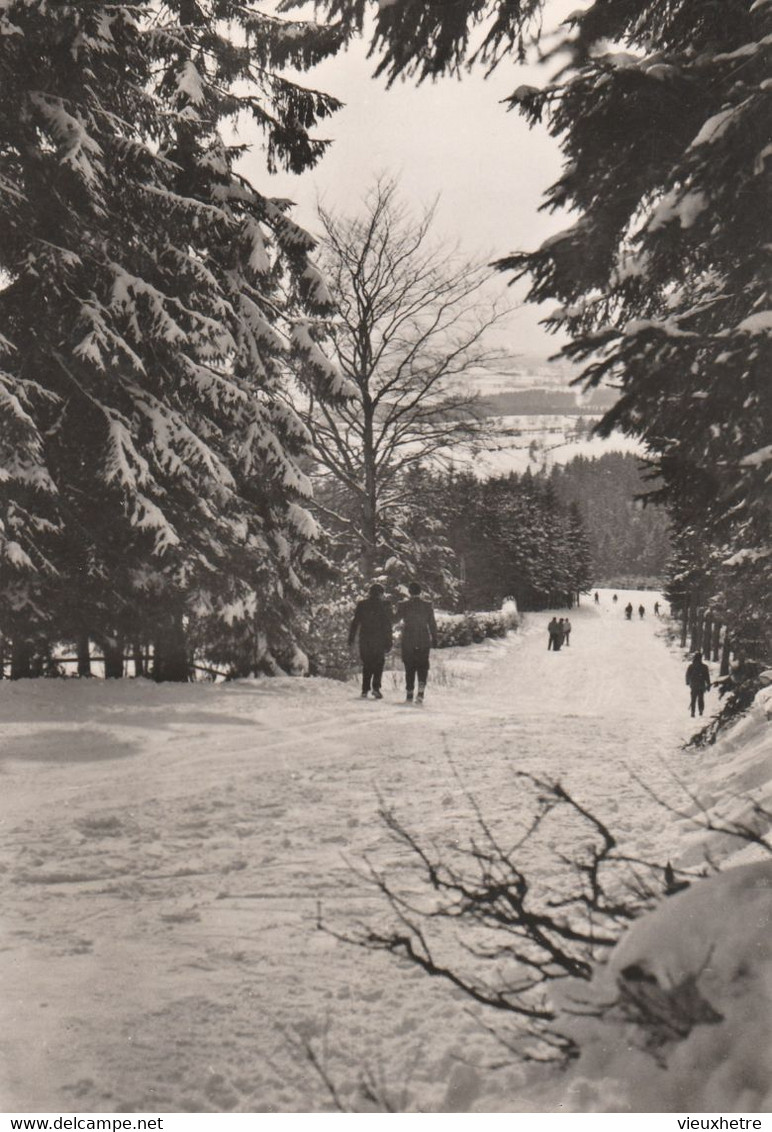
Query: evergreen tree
{"x": 152, "y": 297}
{"x": 512, "y": 538}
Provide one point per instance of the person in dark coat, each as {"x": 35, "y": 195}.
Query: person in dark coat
{"x": 629, "y": 610}
{"x": 419, "y": 635}
{"x": 554, "y": 632}
{"x": 372, "y": 620}
{"x": 698, "y": 679}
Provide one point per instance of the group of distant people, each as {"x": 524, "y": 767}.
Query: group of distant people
{"x": 629, "y": 607}
{"x": 373, "y": 623}
{"x": 559, "y": 633}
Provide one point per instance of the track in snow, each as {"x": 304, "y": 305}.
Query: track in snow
{"x": 165, "y": 851}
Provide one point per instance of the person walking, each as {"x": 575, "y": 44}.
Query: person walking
{"x": 698, "y": 679}
{"x": 629, "y": 611}
{"x": 372, "y": 621}
{"x": 567, "y": 632}
{"x": 419, "y": 635}
{"x": 656, "y": 609}
{"x": 597, "y": 598}
{"x": 551, "y": 630}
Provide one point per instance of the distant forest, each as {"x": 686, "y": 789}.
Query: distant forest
{"x": 521, "y": 402}
{"x": 626, "y": 539}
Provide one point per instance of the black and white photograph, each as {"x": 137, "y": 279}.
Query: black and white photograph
{"x": 385, "y": 561}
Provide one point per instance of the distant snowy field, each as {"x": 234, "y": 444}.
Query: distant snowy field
{"x": 538, "y": 441}
{"x": 554, "y": 442}
{"x": 166, "y": 852}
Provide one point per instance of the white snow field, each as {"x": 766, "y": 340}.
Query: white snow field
{"x": 166, "y": 852}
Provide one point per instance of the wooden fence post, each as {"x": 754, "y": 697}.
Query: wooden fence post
{"x": 84, "y": 654}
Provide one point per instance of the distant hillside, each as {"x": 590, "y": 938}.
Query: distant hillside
{"x": 565, "y": 402}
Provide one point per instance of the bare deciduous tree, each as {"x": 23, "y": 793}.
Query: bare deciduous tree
{"x": 413, "y": 322}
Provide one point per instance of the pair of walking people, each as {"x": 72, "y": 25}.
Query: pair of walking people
{"x": 373, "y": 620}
{"x": 559, "y": 633}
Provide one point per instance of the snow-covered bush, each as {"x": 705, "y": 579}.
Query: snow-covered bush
{"x": 454, "y": 629}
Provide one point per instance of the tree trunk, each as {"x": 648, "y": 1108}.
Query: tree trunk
{"x": 370, "y": 504}
{"x": 21, "y": 659}
{"x": 716, "y": 640}
{"x": 170, "y": 654}
{"x": 113, "y": 654}
{"x": 693, "y": 632}
{"x": 84, "y": 654}
{"x": 685, "y": 622}
{"x": 725, "y": 655}
{"x": 138, "y": 658}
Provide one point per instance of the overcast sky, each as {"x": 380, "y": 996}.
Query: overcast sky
{"x": 452, "y": 138}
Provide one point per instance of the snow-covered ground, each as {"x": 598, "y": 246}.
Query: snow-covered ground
{"x": 166, "y": 853}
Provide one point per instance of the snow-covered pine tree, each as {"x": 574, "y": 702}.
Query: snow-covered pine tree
{"x": 663, "y": 114}
{"x": 663, "y": 279}
{"x": 150, "y": 300}
{"x": 578, "y": 546}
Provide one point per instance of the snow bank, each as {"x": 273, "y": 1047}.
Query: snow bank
{"x": 734, "y": 788}
{"x": 686, "y": 1006}
{"x": 685, "y": 1001}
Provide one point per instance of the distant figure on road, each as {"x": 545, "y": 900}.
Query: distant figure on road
{"x": 629, "y": 610}
{"x": 419, "y": 635}
{"x": 555, "y": 630}
{"x": 372, "y": 620}
{"x": 698, "y": 679}
{"x": 597, "y": 598}
{"x": 656, "y": 609}
{"x": 567, "y": 632}
{"x": 641, "y": 611}
{"x": 614, "y": 598}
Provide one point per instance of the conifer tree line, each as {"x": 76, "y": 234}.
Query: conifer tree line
{"x": 661, "y": 278}
{"x": 476, "y": 542}
{"x": 629, "y": 538}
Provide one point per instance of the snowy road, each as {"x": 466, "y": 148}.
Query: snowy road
{"x": 165, "y": 851}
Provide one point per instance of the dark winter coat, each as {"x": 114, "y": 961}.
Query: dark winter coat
{"x": 698, "y": 676}
{"x": 419, "y": 628}
{"x": 372, "y": 620}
